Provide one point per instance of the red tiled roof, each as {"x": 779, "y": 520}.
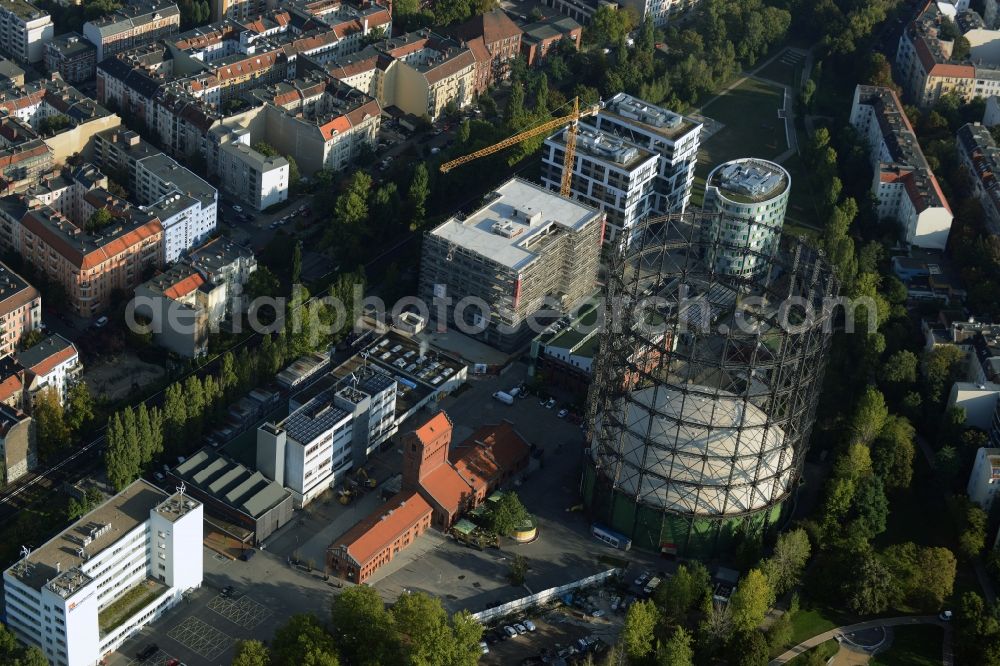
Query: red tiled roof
{"x": 434, "y": 428}
{"x": 96, "y": 257}
{"x": 493, "y": 26}
{"x": 383, "y": 526}
{"x": 184, "y": 287}
{"x": 337, "y": 125}
{"x": 953, "y": 71}
{"x": 447, "y": 487}
{"x": 47, "y": 364}
{"x": 9, "y": 387}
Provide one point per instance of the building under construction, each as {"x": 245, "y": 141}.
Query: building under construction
{"x": 524, "y": 250}
{"x": 705, "y": 386}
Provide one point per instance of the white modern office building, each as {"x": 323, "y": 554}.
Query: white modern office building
{"x": 246, "y": 174}
{"x": 86, "y": 591}
{"x": 673, "y": 137}
{"x": 750, "y": 197}
{"x": 610, "y": 173}
{"x": 25, "y": 30}
{"x": 327, "y": 434}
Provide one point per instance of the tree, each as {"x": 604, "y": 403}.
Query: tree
{"x": 780, "y": 632}
{"x": 508, "y": 514}
{"x": 869, "y": 416}
{"x": 870, "y": 590}
{"x": 870, "y": 509}
{"x": 922, "y": 577}
{"x": 638, "y": 631}
{"x": 610, "y": 25}
{"x": 302, "y": 640}
{"x": 785, "y": 566}
{"x": 297, "y": 263}
{"x": 262, "y": 283}
{"x": 972, "y": 522}
{"x": 174, "y": 417}
{"x": 892, "y": 453}
{"x": 120, "y": 459}
{"x": 51, "y": 431}
{"x": 942, "y": 368}
{"x": 294, "y": 175}
{"x": 717, "y": 627}
{"x": 428, "y": 637}
{"x": 144, "y": 443}
{"x": 748, "y": 648}
{"x": 677, "y": 650}
{"x": 518, "y": 569}
{"x": 900, "y": 368}
{"x": 363, "y": 628}
{"x": 683, "y": 591}
{"x": 252, "y": 653}
{"x": 80, "y": 406}
{"x": 266, "y": 149}
{"x": 751, "y": 600}
{"x": 416, "y": 196}
{"x": 99, "y": 219}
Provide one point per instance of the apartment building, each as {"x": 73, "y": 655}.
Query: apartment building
{"x": 984, "y": 481}
{"x": 182, "y": 308}
{"x": 420, "y": 73}
{"x": 673, "y": 137}
{"x": 609, "y": 173}
{"x": 541, "y": 37}
{"x": 18, "y": 445}
{"x": 61, "y": 595}
{"x": 247, "y": 175}
{"x": 225, "y": 262}
{"x": 24, "y": 30}
{"x": 927, "y": 69}
{"x": 526, "y": 249}
{"x": 496, "y": 43}
{"x": 132, "y": 25}
{"x": 53, "y": 363}
{"x": 979, "y": 155}
{"x": 660, "y": 11}
{"x": 11, "y": 73}
{"x": 906, "y": 188}
{"x": 750, "y": 197}
{"x": 20, "y": 309}
{"x": 189, "y": 205}
{"x": 91, "y": 265}
{"x": 73, "y": 56}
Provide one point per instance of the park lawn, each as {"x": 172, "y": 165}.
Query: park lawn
{"x": 826, "y": 649}
{"x": 785, "y": 69}
{"x": 912, "y": 646}
{"x": 809, "y": 622}
{"x": 751, "y": 126}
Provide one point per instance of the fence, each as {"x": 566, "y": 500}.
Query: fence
{"x": 543, "y": 596}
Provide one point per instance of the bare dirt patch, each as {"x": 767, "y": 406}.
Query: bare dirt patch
{"x": 121, "y": 376}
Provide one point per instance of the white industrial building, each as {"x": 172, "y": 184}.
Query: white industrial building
{"x": 67, "y": 596}
{"x": 750, "y": 196}
{"x": 633, "y": 160}
{"x": 984, "y": 481}
{"x": 327, "y": 435}
{"x": 906, "y": 188}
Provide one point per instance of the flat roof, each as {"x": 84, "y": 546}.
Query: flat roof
{"x": 749, "y": 180}
{"x": 313, "y": 418}
{"x": 517, "y": 214}
{"x": 183, "y": 179}
{"x": 92, "y": 533}
{"x": 652, "y": 118}
{"x": 231, "y": 483}
{"x": 22, "y": 9}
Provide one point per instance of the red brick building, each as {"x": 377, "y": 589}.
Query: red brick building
{"x": 539, "y": 38}
{"x": 495, "y": 41}
{"x": 374, "y": 541}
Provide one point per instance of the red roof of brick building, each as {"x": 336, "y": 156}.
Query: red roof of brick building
{"x": 383, "y": 526}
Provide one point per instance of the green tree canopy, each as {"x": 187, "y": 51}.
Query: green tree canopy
{"x": 751, "y": 601}
{"x": 638, "y": 635}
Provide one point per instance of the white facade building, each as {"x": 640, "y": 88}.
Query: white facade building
{"x": 991, "y": 116}
{"x": 62, "y": 596}
{"x": 673, "y": 137}
{"x": 661, "y": 11}
{"x": 906, "y": 188}
{"x": 190, "y": 204}
{"x": 984, "y": 481}
{"x": 609, "y": 173}
{"x": 24, "y": 30}
{"x": 52, "y": 363}
{"x": 250, "y": 176}
{"x": 751, "y": 196}
{"x": 323, "y": 438}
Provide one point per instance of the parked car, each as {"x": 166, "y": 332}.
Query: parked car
{"x": 484, "y": 647}
{"x": 641, "y": 580}
{"x": 562, "y": 413}
{"x": 238, "y": 208}
{"x": 510, "y": 631}
{"x": 101, "y": 322}
{"x": 551, "y": 403}
{"x": 147, "y": 652}
{"x": 945, "y": 616}
{"x": 529, "y": 625}
{"x": 520, "y": 629}
{"x": 228, "y": 591}
{"x": 158, "y": 476}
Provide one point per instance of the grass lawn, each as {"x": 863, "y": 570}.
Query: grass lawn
{"x": 912, "y": 646}
{"x": 785, "y": 69}
{"x": 808, "y": 622}
{"x": 751, "y": 128}
{"x": 826, "y": 650}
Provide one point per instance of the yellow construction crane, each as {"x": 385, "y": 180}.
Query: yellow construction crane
{"x": 548, "y": 126}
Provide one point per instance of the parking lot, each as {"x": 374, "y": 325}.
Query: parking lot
{"x": 558, "y": 632}
{"x": 468, "y": 578}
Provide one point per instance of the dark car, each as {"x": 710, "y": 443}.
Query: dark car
{"x": 147, "y": 652}
{"x": 228, "y": 591}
